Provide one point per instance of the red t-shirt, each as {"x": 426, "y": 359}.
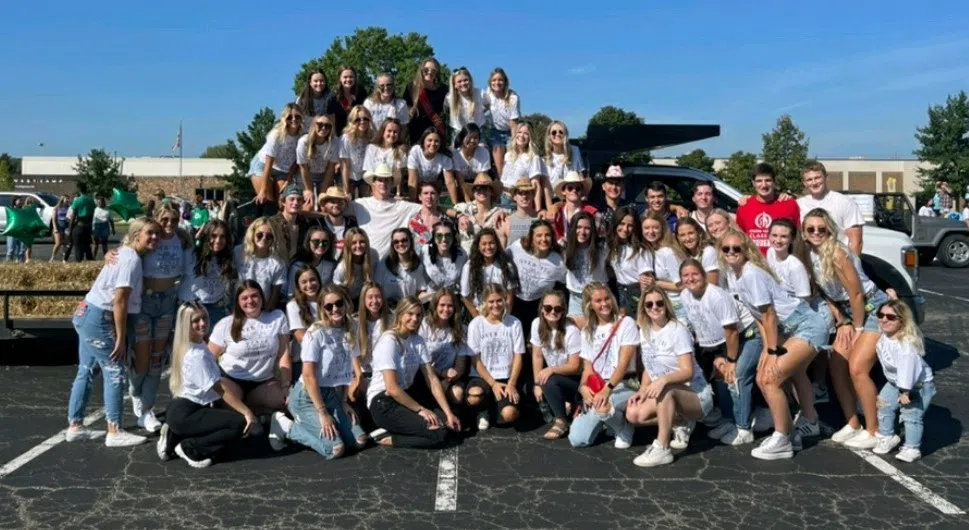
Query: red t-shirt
{"x": 755, "y": 217}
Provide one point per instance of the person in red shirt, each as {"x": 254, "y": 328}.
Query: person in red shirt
{"x": 755, "y": 215}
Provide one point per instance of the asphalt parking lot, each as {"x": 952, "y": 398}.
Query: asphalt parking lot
{"x": 500, "y": 478}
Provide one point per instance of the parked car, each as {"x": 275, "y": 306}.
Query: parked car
{"x": 47, "y": 202}
{"x": 890, "y": 258}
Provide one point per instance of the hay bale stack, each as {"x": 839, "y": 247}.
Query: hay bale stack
{"x": 43, "y": 277}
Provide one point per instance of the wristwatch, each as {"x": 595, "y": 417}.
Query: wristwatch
{"x": 778, "y": 351}
{"x": 610, "y": 386}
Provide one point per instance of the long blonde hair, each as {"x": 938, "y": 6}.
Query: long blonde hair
{"x": 350, "y": 131}
{"x": 404, "y": 306}
{"x": 488, "y": 290}
{"x": 750, "y": 251}
{"x": 455, "y": 103}
{"x": 908, "y": 330}
{"x": 280, "y": 126}
{"x": 513, "y": 152}
{"x": 374, "y": 96}
{"x": 666, "y": 237}
{"x": 731, "y": 223}
{"x": 136, "y": 226}
{"x": 323, "y": 317}
{"x": 643, "y": 319}
{"x": 315, "y": 134}
{"x": 591, "y": 317}
{"x": 363, "y": 317}
{"x": 182, "y": 341}
{"x": 168, "y": 208}
{"x": 366, "y": 267}
{"x": 830, "y": 250}
{"x": 566, "y": 147}
{"x": 399, "y": 149}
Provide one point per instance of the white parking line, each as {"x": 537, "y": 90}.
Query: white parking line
{"x": 909, "y": 483}
{"x": 959, "y": 298}
{"x": 44, "y": 446}
{"x": 447, "y": 481}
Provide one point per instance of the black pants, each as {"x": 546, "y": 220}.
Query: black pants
{"x": 705, "y": 357}
{"x": 406, "y": 427}
{"x": 202, "y": 430}
{"x": 488, "y": 402}
{"x": 559, "y": 390}
{"x": 81, "y": 241}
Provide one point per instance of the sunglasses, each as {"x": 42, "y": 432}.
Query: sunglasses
{"x": 317, "y": 243}
{"x": 557, "y": 133}
{"x": 443, "y": 237}
{"x": 385, "y": 87}
{"x": 553, "y": 309}
{"x": 820, "y": 230}
{"x": 334, "y": 305}
{"x": 294, "y": 117}
{"x": 481, "y": 189}
{"x": 429, "y": 71}
{"x": 362, "y": 120}
{"x": 728, "y": 249}
{"x": 324, "y": 125}
{"x": 891, "y": 317}
{"x": 572, "y": 187}
{"x": 397, "y": 242}
{"x": 264, "y": 235}
{"x": 649, "y": 304}
{"x": 166, "y": 221}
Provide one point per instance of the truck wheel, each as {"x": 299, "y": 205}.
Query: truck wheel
{"x": 954, "y": 251}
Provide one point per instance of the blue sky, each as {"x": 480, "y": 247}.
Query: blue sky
{"x": 856, "y": 76}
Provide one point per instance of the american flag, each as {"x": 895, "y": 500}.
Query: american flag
{"x": 178, "y": 139}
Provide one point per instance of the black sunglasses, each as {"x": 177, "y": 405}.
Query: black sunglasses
{"x": 891, "y": 317}
{"x": 553, "y": 308}
{"x": 649, "y": 304}
{"x": 264, "y": 235}
{"x": 317, "y": 243}
{"x": 728, "y": 249}
{"x": 820, "y": 230}
{"x": 334, "y": 305}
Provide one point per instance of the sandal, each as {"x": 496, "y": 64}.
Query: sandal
{"x": 556, "y": 431}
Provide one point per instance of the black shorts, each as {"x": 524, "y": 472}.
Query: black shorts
{"x": 246, "y": 385}
{"x": 705, "y": 357}
{"x": 477, "y": 382}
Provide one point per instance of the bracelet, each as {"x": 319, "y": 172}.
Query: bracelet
{"x": 859, "y": 329}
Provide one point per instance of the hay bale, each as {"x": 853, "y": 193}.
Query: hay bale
{"x": 47, "y": 276}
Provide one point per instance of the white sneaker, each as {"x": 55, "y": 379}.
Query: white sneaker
{"x": 738, "y": 437}
{"x": 483, "y": 423}
{"x": 862, "y": 440}
{"x": 820, "y": 393}
{"x": 776, "y": 447}
{"x": 279, "y": 428}
{"x": 197, "y": 464}
{"x": 136, "y": 406}
{"x": 161, "y": 446}
{"x": 886, "y": 444}
{"x": 378, "y": 433}
{"x": 908, "y": 454}
{"x": 721, "y": 430}
{"x": 123, "y": 439}
{"x": 624, "y": 438}
{"x": 845, "y": 433}
{"x": 654, "y": 455}
{"x": 761, "y": 420}
{"x": 81, "y": 433}
{"x": 681, "y": 435}
{"x": 806, "y": 428}
{"x": 149, "y": 422}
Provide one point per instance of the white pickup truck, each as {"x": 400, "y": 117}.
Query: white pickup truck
{"x": 890, "y": 258}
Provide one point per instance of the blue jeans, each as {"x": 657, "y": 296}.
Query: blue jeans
{"x": 306, "y": 429}
{"x": 96, "y": 338}
{"x": 155, "y": 322}
{"x": 912, "y": 413}
{"x": 738, "y": 399}
{"x": 15, "y": 249}
{"x": 585, "y": 429}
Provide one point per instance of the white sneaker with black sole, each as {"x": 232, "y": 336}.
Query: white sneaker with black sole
{"x": 775, "y": 447}
{"x": 654, "y": 455}
{"x": 886, "y": 444}
{"x": 681, "y": 435}
{"x": 197, "y": 464}
{"x": 81, "y": 433}
{"x": 123, "y": 439}
{"x": 279, "y": 427}
{"x": 161, "y": 446}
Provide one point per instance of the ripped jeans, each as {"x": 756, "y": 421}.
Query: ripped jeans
{"x": 96, "y": 338}
{"x": 154, "y": 323}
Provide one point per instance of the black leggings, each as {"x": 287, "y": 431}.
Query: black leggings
{"x": 202, "y": 430}
{"x": 81, "y": 241}
{"x": 406, "y": 427}
{"x": 488, "y": 402}
{"x": 559, "y": 390}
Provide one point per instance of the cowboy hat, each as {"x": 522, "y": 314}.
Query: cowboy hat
{"x": 334, "y": 193}
{"x": 382, "y": 171}
{"x": 484, "y": 180}
{"x": 573, "y": 177}
{"x": 524, "y": 184}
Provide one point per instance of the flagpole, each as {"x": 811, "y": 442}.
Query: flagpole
{"x": 181, "y": 142}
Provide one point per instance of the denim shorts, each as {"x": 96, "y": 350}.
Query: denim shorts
{"x": 497, "y": 138}
{"x": 258, "y": 166}
{"x": 157, "y": 317}
{"x": 818, "y": 304}
{"x": 706, "y": 400}
{"x": 808, "y": 325}
{"x": 575, "y": 304}
{"x": 873, "y": 301}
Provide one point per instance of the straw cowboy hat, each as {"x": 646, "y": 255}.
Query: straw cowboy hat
{"x": 484, "y": 180}
{"x": 524, "y": 184}
{"x": 573, "y": 177}
{"x": 333, "y": 192}
{"x": 382, "y": 171}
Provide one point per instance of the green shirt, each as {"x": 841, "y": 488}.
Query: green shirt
{"x": 200, "y": 216}
{"x": 83, "y": 207}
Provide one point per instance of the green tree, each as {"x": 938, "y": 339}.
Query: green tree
{"x": 13, "y": 163}
{"x": 372, "y": 51}
{"x": 226, "y": 150}
{"x": 539, "y": 123}
{"x": 611, "y": 115}
{"x": 786, "y": 148}
{"x": 944, "y": 142}
{"x": 242, "y": 150}
{"x": 6, "y": 177}
{"x": 99, "y": 173}
{"x": 737, "y": 170}
{"x": 697, "y": 159}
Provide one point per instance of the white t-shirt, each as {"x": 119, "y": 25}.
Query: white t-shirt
{"x": 126, "y": 272}
{"x": 501, "y": 111}
{"x": 296, "y": 323}
{"x": 101, "y": 215}
{"x": 283, "y": 151}
{"x": 558, "y": 168}
{"x": 902, "y": 364}
{"x": 446, "y": 272}
{"x": 709, "y": 314}
{"x": 833, "y": 287}
{"x": 628, "y": 267}
{"x": 324, "y": 269}
{"x": 794, "y": 277}
{"x": 583, "y": 272}
{"x": 667, "y": 268}
{"x": 428, "y": 170}
{"x": 376, "y": 155}
{"x": 375, "y": 328}
{"x": 536, "y": 276}
{"x": 463, "y": 116}
{"x": 927, "y": 211}
{"x": 354, "y": 152}
{"x": 381, "y": 111}
{"x": 200, "y": 372}
{"x": 553, "y": 356}
{"x": 843, "y": 210}
{"x": 757, "y": 289}
{"x": 253, "y": 358}
{"x": 661, "y": 350}
{"x": 405, "y": 359}
{"x": 490, "y": 274}
{"x": 626, "y": 335}
{"x": 168, "y": 260}
{"x": 379, "y": 219}
{"x": 268, "y": 272}
{"x": 340, "y": 278}
{"x": 465, "y": 170}
{"x": 496, "y": 344}
{"x": 211, "y": 288}
{"x": 332, "y": 352}
{"x": 400, "y": 283}
{"x": 526, "y": 165}
{"x": 323, "y": 154}
{"x": 708, "y": 258}
{"x": 440, "y": 344}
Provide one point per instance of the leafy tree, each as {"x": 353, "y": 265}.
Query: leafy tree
{"x": 697, "y": 159}
{"x": 226, "y": 150}
{"x": 786, "y": 148}
{"x": 372, "y": 51}
{"x": 6, "y": 177}
{"x": 242, "y": 150}
{"x": 539, "y": 123}
{"x": 944, "y": 142}
{"x": 611, "y": 115}
{"x": 737, "y": 170}
{"x": 99, "y": 173}
{"x": 13, "y": 163}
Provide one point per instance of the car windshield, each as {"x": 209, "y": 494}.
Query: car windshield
{"x": 49, "y": 198}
